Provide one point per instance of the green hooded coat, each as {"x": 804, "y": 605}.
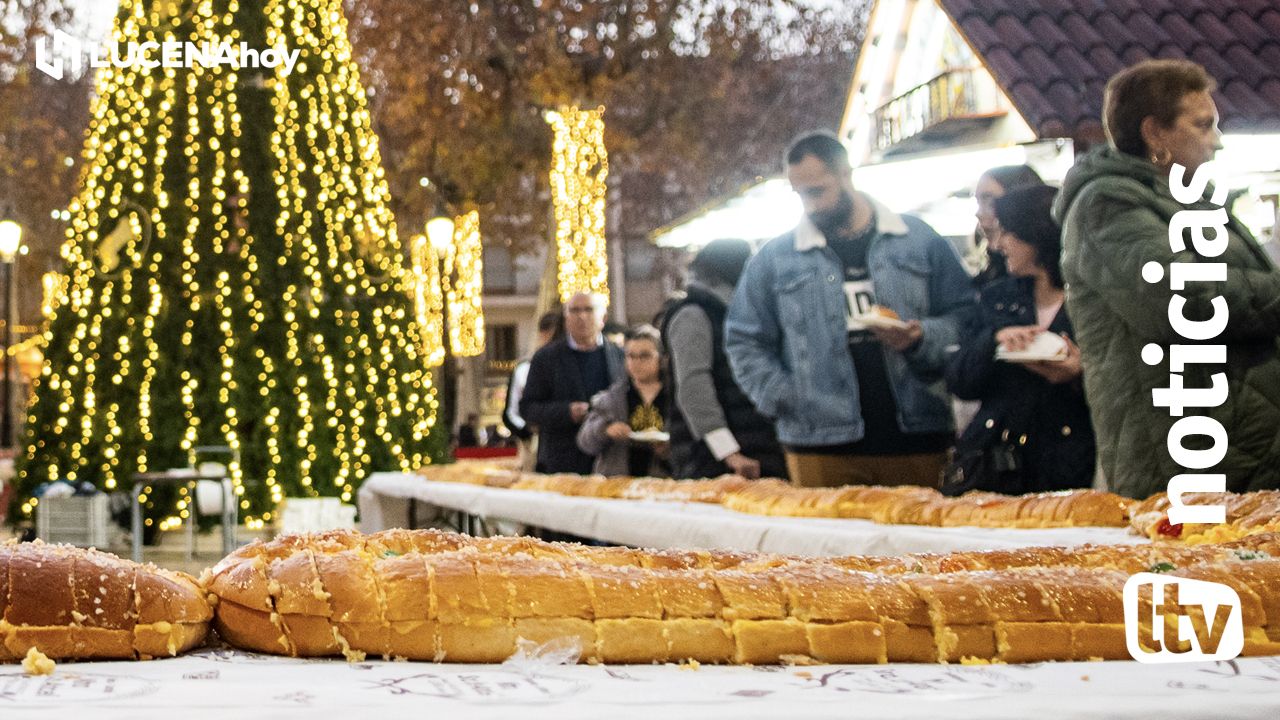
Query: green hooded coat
{"x": 1115, "y": 211}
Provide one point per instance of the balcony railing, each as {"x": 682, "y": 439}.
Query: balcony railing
{"x": 960, "y": 93}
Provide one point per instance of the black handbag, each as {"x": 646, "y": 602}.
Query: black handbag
{"x": 994, "y": 467}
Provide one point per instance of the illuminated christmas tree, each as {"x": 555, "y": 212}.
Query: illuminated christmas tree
{"x": 234, "y": 273}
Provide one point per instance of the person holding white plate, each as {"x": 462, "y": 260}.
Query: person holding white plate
{"x": 625, "y": 428}
{"x": 1032, "y": 432}
{"x": 839, "y": 331}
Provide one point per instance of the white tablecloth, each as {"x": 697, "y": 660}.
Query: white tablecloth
{"x": 222, "y": 684}
{"x": 384, "y": 504}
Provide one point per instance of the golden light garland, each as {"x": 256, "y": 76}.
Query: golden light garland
{"x": 54, "y": 285}
{"x": 579, "y": 169}
{"x": 464, "y": 266}
{"x": 347, "y": 374}
{"x": 428, "y": 300}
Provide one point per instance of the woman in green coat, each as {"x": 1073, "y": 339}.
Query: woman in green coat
{"x": 1116, "y": 208}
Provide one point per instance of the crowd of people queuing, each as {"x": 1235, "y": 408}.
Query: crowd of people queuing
{"x": 835, "y": 354}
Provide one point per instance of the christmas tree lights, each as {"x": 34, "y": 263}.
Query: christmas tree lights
{"x": 54, "y": 285}
{"x": 579, "y": 169}
{"x": 233, "y": 274}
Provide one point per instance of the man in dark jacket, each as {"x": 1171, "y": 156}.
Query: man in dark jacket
{"x": 714, "y": 427}
{"x": 563, "y": 376}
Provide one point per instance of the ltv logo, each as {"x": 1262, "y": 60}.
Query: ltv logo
{"x": 1190, "y": 620}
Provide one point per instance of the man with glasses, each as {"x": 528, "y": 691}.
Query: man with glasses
{"x": 563, "y": 376}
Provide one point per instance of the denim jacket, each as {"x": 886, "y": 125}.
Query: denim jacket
{"x": 787, "y": 339}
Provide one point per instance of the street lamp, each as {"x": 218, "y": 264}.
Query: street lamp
{"x": 10, "y": 239}
{"x": 10, "y": 247}
{"x": 440, "y": 234}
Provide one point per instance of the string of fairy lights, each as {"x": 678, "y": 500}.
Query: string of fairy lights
{"x": 450, "y": 278}
{"x": 428, "y": 295}
{"x": 579, "y": 169}
{"x": 307, "y": 346}
{"x": 464, "y": 265}
{"x": 108, "y": 136}
{"x": 348, "y": 373}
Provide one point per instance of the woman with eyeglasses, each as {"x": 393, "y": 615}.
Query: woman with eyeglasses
{"x": 625, "y": 428}
{"x": 992, "y": 186}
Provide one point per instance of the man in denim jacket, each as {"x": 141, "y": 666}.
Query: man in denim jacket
{"x": 857, "y": 400}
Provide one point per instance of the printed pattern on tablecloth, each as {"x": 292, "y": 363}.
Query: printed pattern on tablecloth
{"x": 249, "y": 686}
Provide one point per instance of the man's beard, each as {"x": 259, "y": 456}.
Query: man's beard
{"x": 832, "y": 222}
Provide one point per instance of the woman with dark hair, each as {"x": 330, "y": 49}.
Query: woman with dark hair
{"x": 1032, "y": 432}
{"x": 992, "y": 186}
{"x": 622, "y": 427}
{"x": 1117, "y": 206}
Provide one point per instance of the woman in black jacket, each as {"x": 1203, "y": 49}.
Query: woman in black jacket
{"x": 1032, "y": 432}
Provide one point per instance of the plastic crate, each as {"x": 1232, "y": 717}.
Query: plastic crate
{"x": 80, "y": 521}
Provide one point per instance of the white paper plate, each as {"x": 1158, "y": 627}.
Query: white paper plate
{"x": 873, "y": 320}
{"x": 1046, "y": 347}
{"x": 650, "y": 436}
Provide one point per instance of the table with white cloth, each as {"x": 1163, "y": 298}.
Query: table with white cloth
{"x": 218, "y": 684}
{"x": 386, "y": 500}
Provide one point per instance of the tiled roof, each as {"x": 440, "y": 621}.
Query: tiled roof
{"x": 1053, "y": 57}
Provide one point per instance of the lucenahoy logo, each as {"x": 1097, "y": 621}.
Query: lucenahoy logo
{"x": 57, "y": 54}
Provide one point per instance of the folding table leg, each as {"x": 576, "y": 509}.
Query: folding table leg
{"x": 192, "y": 515}
{"x": 136, "y": 521}
{"x": 230, "y": 517}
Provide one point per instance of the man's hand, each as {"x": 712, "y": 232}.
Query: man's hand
{"x": 742, "y": 465}
{"x": 900, "y": 339}
{"x": 1017, "y": 338}
{"x": 1060, "y": 371}
{"x": 618, "y": 431}
{"x": 578, "y": 411}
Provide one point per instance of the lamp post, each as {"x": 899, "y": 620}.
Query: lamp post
{"x": 440, "y": 234}
{"x": 10, "y": 246}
